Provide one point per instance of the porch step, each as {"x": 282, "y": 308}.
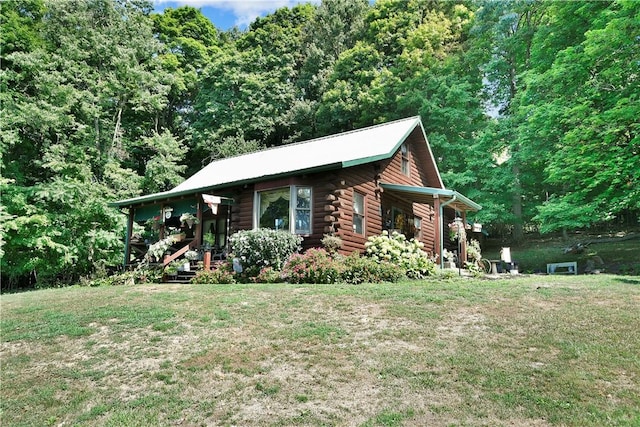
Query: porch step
{"x": 182, "y": 277}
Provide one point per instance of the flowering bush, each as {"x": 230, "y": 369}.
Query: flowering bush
{"x": 474, "y": 254}
{"x": 331, "y": 243}
{"x": 268, "y": 275}
{"x": 221, "y": 274}
{"x": 406, "y": 254}
{"x": 367, "y": 270}
{"x": 256, "y": 249}
{"x": 314, "y": 266}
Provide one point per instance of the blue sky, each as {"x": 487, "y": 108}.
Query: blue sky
{"x": 226, "y": 14}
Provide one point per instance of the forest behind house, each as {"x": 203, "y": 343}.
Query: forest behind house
{"x": 531, "y": 108}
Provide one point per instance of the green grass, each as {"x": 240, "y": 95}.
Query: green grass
{"x": 538, "y": 350}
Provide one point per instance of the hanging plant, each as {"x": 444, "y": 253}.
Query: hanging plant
{"x": 189, "y": 219}
{"x": 457, "y": 231}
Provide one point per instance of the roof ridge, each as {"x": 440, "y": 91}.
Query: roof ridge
{"x": 320, "y": 138}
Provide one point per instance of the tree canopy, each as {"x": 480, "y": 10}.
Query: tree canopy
{"x": 531, "y": 107}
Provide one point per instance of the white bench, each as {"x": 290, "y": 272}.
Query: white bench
{"x": 572, "y": 267}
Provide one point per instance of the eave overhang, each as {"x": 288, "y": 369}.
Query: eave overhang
{"x": 172, "y": 194}
{"x": 428, "y": 194}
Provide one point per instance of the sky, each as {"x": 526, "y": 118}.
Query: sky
{"x": 226, "y": 14}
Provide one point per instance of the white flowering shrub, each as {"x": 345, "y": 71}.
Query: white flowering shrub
{"x": 256, "y": 249}
{"x": 406, "y": 254}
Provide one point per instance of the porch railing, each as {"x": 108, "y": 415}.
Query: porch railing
{"x": 177, "y": 254}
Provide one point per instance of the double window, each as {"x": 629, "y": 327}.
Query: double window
{"x": 286, "y": 208}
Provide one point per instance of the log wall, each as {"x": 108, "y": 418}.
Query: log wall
{"x": 333, "y": 194}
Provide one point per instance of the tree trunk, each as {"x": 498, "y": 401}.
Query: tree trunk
{"x": 516, "y": 208}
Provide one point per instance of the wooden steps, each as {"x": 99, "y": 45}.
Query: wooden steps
{"x": 182, "y": 277}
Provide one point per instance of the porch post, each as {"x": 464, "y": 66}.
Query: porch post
{"x": 437, "y": 227}
{"x": 127, "y": 238}
{"x": 463, "y": 246}
{"x": 198, "y": 230}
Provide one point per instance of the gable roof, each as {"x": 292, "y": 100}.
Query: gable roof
{"x": 330, "y": 152}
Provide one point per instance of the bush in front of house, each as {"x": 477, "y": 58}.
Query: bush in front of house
{"x": 358, "y": 269}
{"x": 221, "y": 274}
{"x": 268, "y": 275}
{"x": 256, "y": 249}
{"x": 406, "y": 254}
{"x": 313, "y": 266}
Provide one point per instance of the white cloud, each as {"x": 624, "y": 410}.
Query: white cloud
{"x": 244, "y": 11}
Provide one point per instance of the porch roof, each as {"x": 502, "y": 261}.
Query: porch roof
{"x": 427, "y": 194}
{"x": 330, "y": 152}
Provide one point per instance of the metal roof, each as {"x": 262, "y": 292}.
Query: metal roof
{"x": 427, "y": 194}
{"x": 330, "y": 152}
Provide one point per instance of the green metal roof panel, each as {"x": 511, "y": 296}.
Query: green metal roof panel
{"x": 340, "y": 150}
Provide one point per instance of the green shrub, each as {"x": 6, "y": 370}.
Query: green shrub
{"x": 256, "y": 249}
{"x": 367, "y": 270}
{"x": 268, "y": 275}
{"x": 331, "y": 243}
{"x": 221, "y": 274}
{"x": 406, "y": 254}
{"x": 132, "y": 277}
{"x": 314, "y": 266}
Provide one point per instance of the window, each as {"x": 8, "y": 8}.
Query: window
{"x": 358, "y": 213}
{"x": 303, "y": 210}
{"x": 417, "y": 225}
{"x": 286, "y": 208}
{"x": 404, "y": 149}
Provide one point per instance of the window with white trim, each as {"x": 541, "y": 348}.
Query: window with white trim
{"x": 417, "y": 225}
{"x": 358, "y": 213}
{"x": 285, "y": 208}
{"x": 404, "y": 150}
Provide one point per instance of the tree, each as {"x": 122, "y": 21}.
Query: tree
{"x": 592, "y": 87}
{"x": 249, "y": 89}
{"x": 190, "y": 42}
{"x": 76, "y": 102}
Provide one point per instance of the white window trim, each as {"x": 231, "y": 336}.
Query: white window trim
{"x": 405, "y": 158}
{"x": 363, "y": 215}
{"x": 293, "y": 196}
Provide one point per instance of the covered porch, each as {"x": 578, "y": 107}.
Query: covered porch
{"x": 443, "y": 201}
{"x": 161, "y": 230}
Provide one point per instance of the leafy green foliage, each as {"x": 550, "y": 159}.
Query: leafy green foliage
{"x": 405, "y": 254}
{"x": 313, "y": 266}
{"x": 263, "y": 247}
{"x": 102, "y": 101}
{"x": 358, "y": 269}
{"x": 222, "y": 273}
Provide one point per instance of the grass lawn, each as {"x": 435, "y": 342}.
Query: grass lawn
{"x": 535, "y": 351}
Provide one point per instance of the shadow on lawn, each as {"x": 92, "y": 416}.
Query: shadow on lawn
{"x": 628, "y": 280}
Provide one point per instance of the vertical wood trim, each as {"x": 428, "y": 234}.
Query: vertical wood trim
{"x": 127, "y": 241}
{"x": 463, "y": 245}
{"x": 198, "y": 230}
{"x": 438, "y": 229}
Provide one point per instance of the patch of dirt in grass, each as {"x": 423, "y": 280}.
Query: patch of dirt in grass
{"x": 463, "y": 322}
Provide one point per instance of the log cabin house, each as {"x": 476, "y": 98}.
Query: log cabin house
{"x": 353, "y": 185}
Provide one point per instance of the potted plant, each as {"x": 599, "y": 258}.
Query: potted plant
{"x": 189, "y": 219}
{"x": 171, "y": 269}
{"x": 209, "y": 240}
{"x": 191, "y": 255}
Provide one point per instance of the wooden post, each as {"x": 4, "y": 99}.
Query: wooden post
{"x": 207, "y": 261}
{"x": 463, "y": 246}
{"x": 127, "y": 239}
{"x": 437, "y": 226}
{"x": 198, "y": 230}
